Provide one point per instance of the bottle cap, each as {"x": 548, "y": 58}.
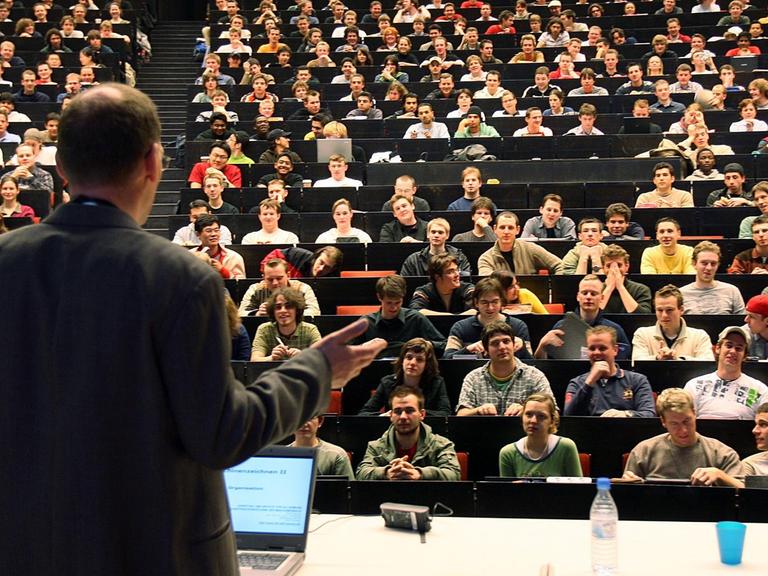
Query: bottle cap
{"x": 603, "y": 483}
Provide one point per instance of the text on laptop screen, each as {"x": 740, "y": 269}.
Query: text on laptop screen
{"x": 270, "y": 494}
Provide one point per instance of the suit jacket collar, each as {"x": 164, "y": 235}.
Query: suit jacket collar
{"x": 81, "y": 215}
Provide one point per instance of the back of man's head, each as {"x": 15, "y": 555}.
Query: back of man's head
{"x": 113, "y": 113}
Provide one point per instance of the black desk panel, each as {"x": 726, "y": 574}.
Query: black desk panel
{"x": 366, "y": 496}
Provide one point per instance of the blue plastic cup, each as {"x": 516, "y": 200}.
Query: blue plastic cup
{"x": 730, "y": 539}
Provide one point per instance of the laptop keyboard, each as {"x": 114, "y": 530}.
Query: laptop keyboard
{"x": 262, "y": 560}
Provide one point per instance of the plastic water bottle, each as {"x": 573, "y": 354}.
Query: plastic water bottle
{"x": 604, "y": 517}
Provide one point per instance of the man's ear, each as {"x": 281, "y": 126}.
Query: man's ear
{"x": 153, "y": 162}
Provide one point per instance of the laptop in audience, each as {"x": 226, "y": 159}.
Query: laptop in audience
{"x": 633, "y": 125}
{"x": 327, "y": 147}
{"x": 270, "y": 496}
{"x": 744, "y": 63}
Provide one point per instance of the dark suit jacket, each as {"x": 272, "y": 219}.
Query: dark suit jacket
{"x": 118, "y": 408}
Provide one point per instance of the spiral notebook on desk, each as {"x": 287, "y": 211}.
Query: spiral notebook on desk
{"x": 270, "y": 496}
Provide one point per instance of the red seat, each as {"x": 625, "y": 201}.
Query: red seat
{"x": 367, "y": 273}
{"x": 334, "y": 405}
{"x": 586, "y": 464}
{"x": 463, "y": 458}
{"x": 356, "y": 309}
{"x": 555, "y": 308}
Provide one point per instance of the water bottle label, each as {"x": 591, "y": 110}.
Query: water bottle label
{"x": 604, "y": 530}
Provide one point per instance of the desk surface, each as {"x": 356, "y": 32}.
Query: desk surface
{"x": 476, "y": 546}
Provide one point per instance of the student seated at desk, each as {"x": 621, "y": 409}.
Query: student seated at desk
{"x": 445, "y": 293}
{"x": 276, "y": 275}
{"x": 622, "y": 295}
{"x": 757, "y": 464}
{"x": 670, "y": 338}
{"x": 409, "y": 450}
{"x": 589, "y": 297}
{"x": 754, "y": 260}
{"x": 728, "y": 393}
{"x": 608, "y": 390}
{"x": 270, "y": 232}
{"x": 482, "y": 213}
{"x": 396, "y": 324}
{"x": 416, "y": 367}
{"x": 519, "y": 300}
{"x": 668, "y": 257}
{"x": 520, "y": 257}
{"x": 540, "y": 452}
{"x": 664, "y": 195}
{"x": 757, "y": 322}
{"x": 551, "y": 223}
{"x": 302, "y": 263}
{"x": 760, "y": 195}
{"x": 705, "y": 295}
{"x": 287, "y": 334}
{"x": 438, "y": 231}
{"x": 186, "y": 235}
{"x": 488, "y": 299}
{"x": 228, "y": 263}
{"x": 406, "y": 227}
{"x": 331, "y": 460}
{"x": 618, "y": 224}
{"x": 682, "y": 453}
{"x": 586, "y": 257}
{"x": 503, "y": 383}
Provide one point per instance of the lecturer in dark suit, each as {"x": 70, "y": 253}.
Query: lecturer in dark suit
{"x": 118, "y": 409}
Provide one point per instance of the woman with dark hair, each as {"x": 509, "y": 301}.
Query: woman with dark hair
{"x": 11, "y": 207}
{"x": 541, "y": 452}
{"x": 363, "y": 57}
{"x": 518, "y": 300}
{"x": 286, "y": 334}
{"x": 416, "y": 366}
{"x": 88, "y": 57}
{"x": 391, "y": 71}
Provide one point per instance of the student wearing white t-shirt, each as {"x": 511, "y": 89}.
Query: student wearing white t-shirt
{"x": 270, "y": 233}
{"x": 342, "y": 216}
{"x": 337, "y": 166}
{"x": 728, "y": 393}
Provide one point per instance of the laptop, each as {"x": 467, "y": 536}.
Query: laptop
{"x": 327, "y": 147}
{"x": 633, "y": 125}
{"x": 270, "y": 496}
{"x": 744, "y": 63}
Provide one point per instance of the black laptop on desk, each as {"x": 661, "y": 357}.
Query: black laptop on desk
{"x": 633, "y": 125}
{"x": 744, "y": 63}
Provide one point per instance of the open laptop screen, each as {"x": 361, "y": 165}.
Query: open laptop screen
{"x": 271, "y": 493}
